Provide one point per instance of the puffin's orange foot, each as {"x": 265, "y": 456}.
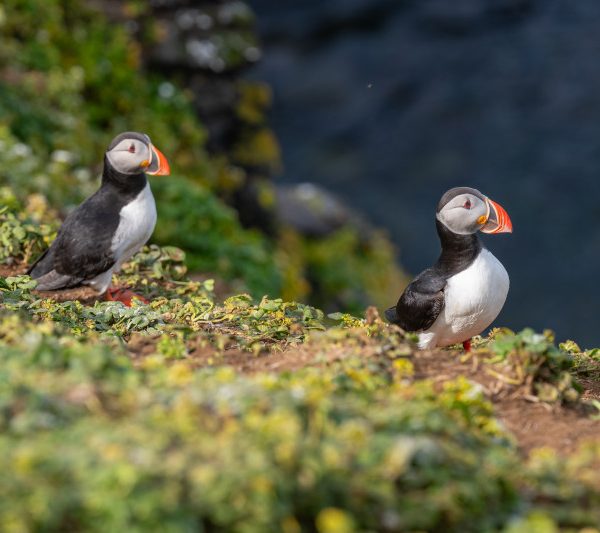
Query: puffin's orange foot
{"x": 467, "y": 345}
{"x": 125, "y": 296}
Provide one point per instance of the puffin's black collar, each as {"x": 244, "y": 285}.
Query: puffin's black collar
{"x": 458, "y": 251}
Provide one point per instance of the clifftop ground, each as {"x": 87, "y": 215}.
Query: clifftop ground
{"x": 194, "y": 413}
{"x": 210, "y": 409}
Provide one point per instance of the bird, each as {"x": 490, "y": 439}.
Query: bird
{"x": 465, "y": 290}
{"x": 110, "y": 226}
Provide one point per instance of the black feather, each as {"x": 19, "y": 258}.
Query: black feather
{"x": 391, "y": 315}
{"x": 423, "y": 300}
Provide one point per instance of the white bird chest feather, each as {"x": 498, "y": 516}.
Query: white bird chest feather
{"x": 473, "y": 298}
{"x": 136, "y": 224}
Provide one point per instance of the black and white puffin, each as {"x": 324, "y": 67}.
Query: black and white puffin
{"x": 111, "y": 225}
{"x": 462, "y": 294}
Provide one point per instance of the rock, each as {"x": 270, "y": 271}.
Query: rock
{"x": 314, "y": 212}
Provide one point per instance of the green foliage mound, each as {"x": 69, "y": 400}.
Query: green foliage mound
{"x": 70, "y": 76}
{"x": 93, "y": 440}
{"x": 196, "y": 221}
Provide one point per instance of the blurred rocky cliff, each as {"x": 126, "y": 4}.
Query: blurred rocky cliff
{"x": 390, "y": 102}
{"x": 207, "y": 47}
{"x": 204, "y": 46}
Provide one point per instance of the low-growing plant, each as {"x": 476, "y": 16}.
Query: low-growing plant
{"x": 129, "y": 447}
{"x": 193, "y": 219}
{"x": 532, "y": 360}
{"x": 21, "y": 236}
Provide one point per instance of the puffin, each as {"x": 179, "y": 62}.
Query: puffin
{"x": 108, "y": 227}
{"x": 465, "y": 290}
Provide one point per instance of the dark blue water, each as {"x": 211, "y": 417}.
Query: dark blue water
{"x": 389, "y": 104}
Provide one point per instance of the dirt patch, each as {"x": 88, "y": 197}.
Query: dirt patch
{"x": 140, "y": 346}
{"x": 591, "y": 388}
{"x": 534, "y": 424}
{"x": 287, "y": 360}
{"x": 246, "y": 362}
{"x": 17, "y": 269}
{"x": 537, "y": 425}
{"x": 85, "y": 295}
{"x": 202, "y": 354}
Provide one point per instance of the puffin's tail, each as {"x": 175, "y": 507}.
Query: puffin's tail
{"x": 391, "y": 315}
{"x": 38, "y": 268}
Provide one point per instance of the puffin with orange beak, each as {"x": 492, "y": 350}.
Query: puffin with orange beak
{"x": 462, "y": 294}
{"x": 111, "y": 225}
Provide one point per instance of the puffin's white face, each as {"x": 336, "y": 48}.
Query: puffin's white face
{"x": 465, "y": 211}
{"x": 133, "y": 153}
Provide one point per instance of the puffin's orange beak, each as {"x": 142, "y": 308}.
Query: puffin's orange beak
{"x": 497, "y": 219}
{"x": 159, "y": 166}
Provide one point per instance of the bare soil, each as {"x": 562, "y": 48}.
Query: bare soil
{"x": 534, "y": 424}
{"x": 13, "y": 270}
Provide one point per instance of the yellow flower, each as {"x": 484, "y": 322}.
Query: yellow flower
{"x": 180, "y": 374}
{"x": 332, "y": 520}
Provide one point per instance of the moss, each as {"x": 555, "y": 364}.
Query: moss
{"x": 253, "y": 102}
{"x": 349, "y": 273}
{"x": 259, "y": 149}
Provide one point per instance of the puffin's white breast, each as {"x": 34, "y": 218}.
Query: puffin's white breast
{"x": 473, "y": 298}
{"x": 136, "y": 224}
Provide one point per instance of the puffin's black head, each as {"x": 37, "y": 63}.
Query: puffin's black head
{"x": 465, "y": 211}
{"x": 133, "y": 153}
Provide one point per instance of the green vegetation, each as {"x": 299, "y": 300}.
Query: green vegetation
{"x": 97, "y": 433}
{"x": 210, "y": 409}
{"x": 126, "y": 418}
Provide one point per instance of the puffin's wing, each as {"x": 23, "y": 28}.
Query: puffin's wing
{"x": 53, "y": 281}
{"x": 80, "y": 252}
{"x": 47, "y": 277}
{"x": 420, "y": 303}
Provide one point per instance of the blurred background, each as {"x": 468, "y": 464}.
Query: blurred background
{"x": 310, "y": 141}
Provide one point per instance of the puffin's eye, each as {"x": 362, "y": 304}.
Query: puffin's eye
{"x": 467, "y": 204}
{"x": 132, "y": 148}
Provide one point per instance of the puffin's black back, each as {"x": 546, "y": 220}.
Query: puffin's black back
{"x": 82, "y": 248}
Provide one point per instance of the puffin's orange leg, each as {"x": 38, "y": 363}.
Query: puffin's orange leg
{"x": 467, "y": 345}
{"x": 125, "y": 296}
